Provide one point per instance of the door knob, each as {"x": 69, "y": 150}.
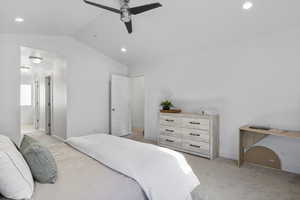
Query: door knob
{"x": 113, "y": 109}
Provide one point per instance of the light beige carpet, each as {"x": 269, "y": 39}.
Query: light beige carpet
{"x": 221, "y": 179}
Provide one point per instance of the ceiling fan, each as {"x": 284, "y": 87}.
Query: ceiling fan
{"x": 126, "y": 12}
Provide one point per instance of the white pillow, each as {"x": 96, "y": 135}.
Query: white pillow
{"x": 16, "y": 180}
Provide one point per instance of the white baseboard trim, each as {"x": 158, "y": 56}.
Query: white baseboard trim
{"x": 130, "y": 133}
{"x": 59, "y": 138}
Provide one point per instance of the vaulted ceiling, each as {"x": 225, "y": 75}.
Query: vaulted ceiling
{"x": 179, "y": 26}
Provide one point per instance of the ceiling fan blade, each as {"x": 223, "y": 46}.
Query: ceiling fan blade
{"x": 102, "y": 6}
{"x": 129, "y": 26}
{"x": 144, "y": 8}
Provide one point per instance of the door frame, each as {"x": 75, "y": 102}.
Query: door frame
{"x": 49, "y": 104}
{"x": 144, "y": 106}
{"x": 110, "y": 102}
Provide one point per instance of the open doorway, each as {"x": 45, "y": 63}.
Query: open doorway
{"x": 137, "y": 107}
{"x": 127, "y": 107}
{"x": 120, "y": 122}
{"x": 43, "y": 96}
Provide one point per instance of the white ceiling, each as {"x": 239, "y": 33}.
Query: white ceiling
{"x": 177, "y": 27}
{"x": 45, "y": 67}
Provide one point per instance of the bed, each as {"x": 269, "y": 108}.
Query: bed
{"x": 89, "y": 168}
{"x": 81, "y": 177}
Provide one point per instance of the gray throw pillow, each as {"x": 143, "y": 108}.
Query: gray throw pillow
{"x": 39, "y": 159}
{"x": 26, "y": 142}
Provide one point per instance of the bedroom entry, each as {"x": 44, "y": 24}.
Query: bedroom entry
{"x": 120, "y": 106}
{"x": 127, "y": 106}
{"x": 43, "y": 97}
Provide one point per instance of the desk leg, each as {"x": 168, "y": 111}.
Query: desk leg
{"x": 241, "y": 149}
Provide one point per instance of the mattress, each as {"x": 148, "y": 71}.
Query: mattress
{"x": 81, "y": 177}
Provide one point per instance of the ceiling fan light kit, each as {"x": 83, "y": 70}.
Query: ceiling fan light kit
{"x": 35, "y": 59}
{"x": 126, "y": 12}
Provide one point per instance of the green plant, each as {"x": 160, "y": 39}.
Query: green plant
{"x": 166, "y": 104}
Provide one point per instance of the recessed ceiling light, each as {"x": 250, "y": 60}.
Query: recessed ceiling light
{"x": 19, "y": 20}
{"x": 123, "y": 49}
{"x": 247, "y": 5}
{"x": 24, "y": 68}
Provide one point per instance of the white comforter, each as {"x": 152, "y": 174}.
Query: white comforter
{"x": 163, "y": 174}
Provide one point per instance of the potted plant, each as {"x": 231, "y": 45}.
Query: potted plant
{"x": 166, "y": 105}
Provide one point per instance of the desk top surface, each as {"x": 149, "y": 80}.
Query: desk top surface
{"x": 277, "y": 132}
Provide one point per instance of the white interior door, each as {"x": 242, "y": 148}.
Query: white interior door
{"x": 120, "y": 106}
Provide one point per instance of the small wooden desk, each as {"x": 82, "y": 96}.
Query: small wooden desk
{"x": 248, "y": 137}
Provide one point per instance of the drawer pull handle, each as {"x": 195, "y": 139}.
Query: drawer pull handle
{"x": 168, "y": 130}
{"x": 196, "y": 146}
{"x": 169, "y": 120}
{"x": 195, "y": 123}
{"x": 170, "y": 140}
{"x": 193, "y": 134}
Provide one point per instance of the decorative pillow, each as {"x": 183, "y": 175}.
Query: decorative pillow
{"x": 26, "y": 142}
{"x": 15, "y": 177}
{"x": 40, "y": 160}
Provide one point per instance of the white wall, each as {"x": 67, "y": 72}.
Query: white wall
{"x": 9, "y": 89}
{"x": 87, "y": 79}
{"x": 137, "y": 101}
{"x": 252, "y": 82}
{"x": 42, "y": 99}
{"x": 59, "y": 98}
{"x": 27, "y": 115}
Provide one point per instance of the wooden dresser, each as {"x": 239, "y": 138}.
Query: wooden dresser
{"x": 191, "y": 133}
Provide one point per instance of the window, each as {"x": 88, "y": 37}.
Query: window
{"x": 26, "y": 96}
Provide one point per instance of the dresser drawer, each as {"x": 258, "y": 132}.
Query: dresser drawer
{"x": 199, "y": 147}
{"x": 195, "y": 123}
{"x": 170, "y": 131}
{"x": 169, "y": 121}
{"x": 195, "y": 135}
{"x": 170, "y": 141}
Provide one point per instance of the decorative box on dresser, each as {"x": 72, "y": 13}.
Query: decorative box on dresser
{"x": 191, "y": 133}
